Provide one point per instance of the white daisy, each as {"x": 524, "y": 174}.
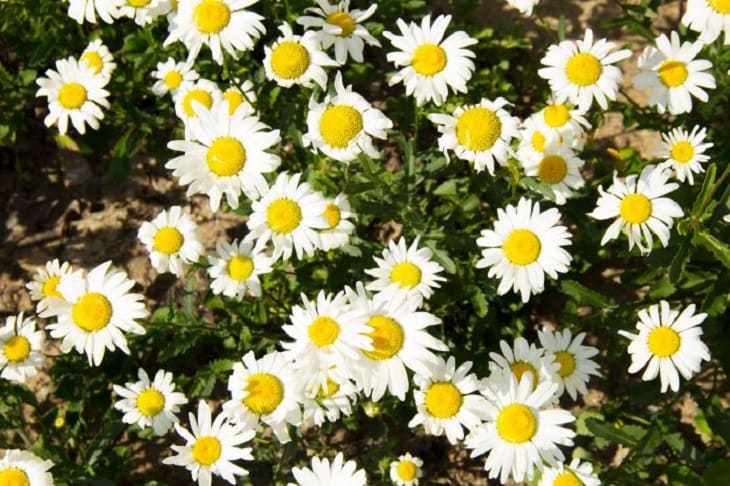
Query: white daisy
{"x": 534, "y": 138}
{"x": 343, "y": 125}
{"x": 330, "y": 400}
{"x": 172, "y": 241}
{"x": 684, "y": 152}
{"x": 639, "y": 208}
{"x": 708, "y": 17}
{"x": 576, "y": 365}
{"x": 150, "y": 404}
{"x": 575, "y": 474}
{"x": 225, "y": 155}
{"x": 97, "y": 56}
{"x": 81, "y": 10}
{"x": 673, "y": 75}
{"x": 190, "y": 98}
{"x": 143, "y": 12}
{"x": 236, "y": 269}
{"x": 668, "y": 341}
{"x": 478, "y": 133}
{"x": 289, "y": 215}
{"x": 579, "y": 71}
{"x": 407, "y": 470}
{"x": 524, "y": 6}
{"x": 338, "y": 214}
{"x": 240, "y": 93}
{"x": 558, "y": 167}
{"x": 525, "y": 359}
{"x": 322, "y": 473}
{"x": 45, "y": 284}
{"x": 524, "y": 245}
{"x": 564, "y": 121}
{"x": 97, "y": 309}
{"x": 21, "y": 468}
{"x": 171, "y": 76}
{"x": 22, "y": 348}
{"x": 217, "y": 24}
{"x": 430, "y": 63}
{"x": 341, "y": 27}
{"x": 211, "y": 446}
{"x": 74, "y": 91}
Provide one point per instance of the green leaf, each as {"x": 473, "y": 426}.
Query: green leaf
{"x": 447, "y": 188}
{"x": 705, "y": 191}
{"x": 479, "y": 302}
{"x": 719, "y": 249}
{"x": 679, "y": 260}
{"x": 615, "y": 434}
{"x": 681, "y": 475}
{"x": 584, "y": 295}
{"x": 717, "y": 473}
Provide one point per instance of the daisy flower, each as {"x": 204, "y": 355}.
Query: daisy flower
{"x": 429, "y": 63}
{"x": 478, "y": 133}
{"x": 579, "y": 71}
{"x": 289, "y": 215}
{"x": 239, "y": 94}
{"x": 323, "y": 473}
{"x": 524, "y": 359}
{"x": 143, "y": 12}
{"x": 524, "y": 245}
{"x": 564, "y": 121}
{"x": 25, "y": 468}
{"x": 267, "y": 390}
{"x": 534, "y": 138}
{"x": 45, "y": 284}
{"x": 150, "y": 404}
{"x": 330, "y": 400}
{"x": 74, "y": 91}
{"x": 225, "y": 155}
{"x": 81, "y": 10}
{"x": 97, "y": 56}
{"x": 708, "y": 17}
{"x": 218, "y": 24}
{"x": 171, "y": 76}
{"x": 558, "y": 167}
{"x": 236, "y": 269}
{"x": 519, "y": 434}
{"x": 447, "y": 402}
{"x": 97, "y": 309}
{"x": 22, "y": 348}
{"x": 338, "y": 214}
{"x": 639, "y": 208}
{"x": 407, "y": 470}
{"x": 343, "y": 125}
{"x": 341, "y": 27}
{"x": 172, "y": 241}
{"x": 191, "y": 98}
{"x": 574, "y": 359}
{"x": 211, "y": 446}
{"x": 684, "y": 152}
{"x": 576, "y": 474}
{"x": 524, "y": 6}
{"x": 673, "y": 75}
{"x": 668, "y": 341}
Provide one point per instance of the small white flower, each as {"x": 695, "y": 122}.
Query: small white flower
{"x": 407, "y": 470}
{"x": 143, "y": 12}
{"x": 576, "y": 473}
{"x": 684, "y": 152}
{"x": 525, "y": 359}
{"x": 558, "y": 167}
{"x": 21, "y": 348}
{"x": 328, "y": 395}
{"x": 97, "y": 56}
{"x": 189, "y": 97}
{"x": 45, "y": 284}
{"x": 172, "y": 241}
{"x": 574, "y": 359}
{"x": 173, "y": 76}
{"x": 338, "y": 214}
{"x": 22, "y": 468}
{"x": 236, "y": 269}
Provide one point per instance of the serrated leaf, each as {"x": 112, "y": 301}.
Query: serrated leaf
{"x": 584, "y": 295}
{"x": 719, "y": 249}
{"x": 611, "y": 433}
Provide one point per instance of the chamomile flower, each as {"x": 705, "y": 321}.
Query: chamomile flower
{"x": 143, "y": 12}
{"x": 524, "y": 6}
{"x": 673, "y": 75}
{"x": 684, "y": 152}
{"x": 407, "y": 470}
{"x": 519, "y": 434}
{"x": 289, "y": 215}
{"x": 172, "y": 241}
{"x": 225, "y": 155}
{"x": 338, "y": 213}
{"x": 87, "y": 10}
{"x": 430, "y": 64}
{"x": 558, "y": 167}
{"x": 21, "y": 346}
{"x": 74, "y": 91}
{"x": 19, "y": 467}
{"x": 524, "y": 245}
{"x": 534, "y": 138}
{"x": 267, "y": 390}
{"x": 236, "y": 269}
{"x": 173, "y": 76}
{"x": 565, "y": 123}
{"x": 150, "y": 403}
{"x": 341, "y": 27}
{"x": 218, "y": 24}
{"x": 639, "y": 208}
{"x": 97, "y": 308}
{"x": 295, "y": 59}
{"x": 211, "y": 446}
{"x": 574, "y": 358}
{"x": 189, "y": 97}
{"x": 328, "y": 396}
{"x": 524, "y": 359}
{"x": 97, "y": 56}
{"x": 579, "y": 71}
{"x": 447, "y": 401}
{"x": 344, "y": 124}
{"x": 45, "y": 284}
{"x": 478, "y": 133}
{"x": 668, "y": 341}
{"x": 240, "y": 94}
{"x": 323, "y": 473}
{"x": 708, "y": 17}
{"x": 574, "y": 474}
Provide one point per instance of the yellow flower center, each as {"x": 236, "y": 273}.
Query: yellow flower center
{"x": 663, "y": 341}
{"x": 407, "y": 470}
{"x": 226, "y": 156}
{"x": 138, "y": 3}
{"x": 290, "y": 60}
{"x": 343, "y": 21}
{"x": 519, "y": 368}
{"x": 720, "y": 6}
{"x": 478, "y": 128}
{"x": 72, "y": 96}
{"x": 265, "y": 393}
{"x": 92, "y": 312}
{"x": 443, "y": 399}
{"x": 567, "y": 478}
{"x": 333, "y": 215}
{"x": 428, "y": 59}
{"x": 240, "y": 267}
{"x": 635, "y": 208}
{"x": 339, "y": 125}
{"x": 17, "y": 349}
{"x": 93, "y": 60}
{"x": 13, "y": 476}
{"x": 406, "y": 274}
{"x": 206, "y": 450}
{"x": 522, "y": 247}
{"x": 387, "y": 337}
{"x": 235, "y": 99}
{"x": 211, "y": 16}
{"x": 516, "y": 423}
{"x": 583, "y": 69}
{"x": 173, "y": 80}
{"x": 682, "y": 152}
{"x": 49, "y": 287}
{"x": 556, "y": 115}
{"x": 283, "y": 215}
{"x": 567, "y": 363}
{"x": 538, "y": 141}
{"x": 150, "y": 402}
{"x": 673, "y": 73}
{"x": 330, "y": 390}
{"x": 323, "y": 331}
{"x": 168, "y": 240}
{"x": 199, "y": 95}
{"x": 552, "y": 169}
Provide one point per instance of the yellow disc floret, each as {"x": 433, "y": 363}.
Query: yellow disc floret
{"x": 406, "y": 275}
{"x": 168, "y": 240}
{"x": 49, "y": 287}
{"x": 635, "y": 208}
{"x": 138, "y": 3}
{"x": 583, "y": 69}
{"x": 664, "y": 341}
{"x": 428, "y": 59}
{"x": 13, "y": 476}
{"x": 235, "y": 99}
{"x": 92, "y": 312}
{"x": 93, "y": 60}
{"x": 538, "y": 141}
{"x": 333, "y": 215}
{"x": 478, "y": 128}
{"x": 72, "y": 96}
{"x": 552, "y": 169}
{"x": 16, "y": 349}
{"x": 443, "y": 400}
{"x": 672, "y": 73}
{"x": 240, "y": 267}
{"x": 290, "y": 60}
{"x": 206, "y": 450}
{"x": 339, "y": 125}
{"x": 331, "y": 389}
{"x": 150, "y": 402}
{"x": 211, "y": 16}
{"x": 283, "y": 215}
{"x": 682, "y": 152}
{"x": 567, "y": 478}
{"x": 567, "y": 363}
{"x": 226, "y": 156}
{"x": 556, "y": 115}
{"x": 519, "y": 368}
{"x": 387, "y": 337}
{"x": 720, "y": 6}
{"x": 342, "y": 20}
{"x": 407, "y": 470}
{"x": 522, "y": 247}
{"x": 323, "y": 331}
{"x": 265, "y": 393}
{"x": 199, "y": 95}
{"x": 173, "y": 79}
{"x": 516, "y": 423}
